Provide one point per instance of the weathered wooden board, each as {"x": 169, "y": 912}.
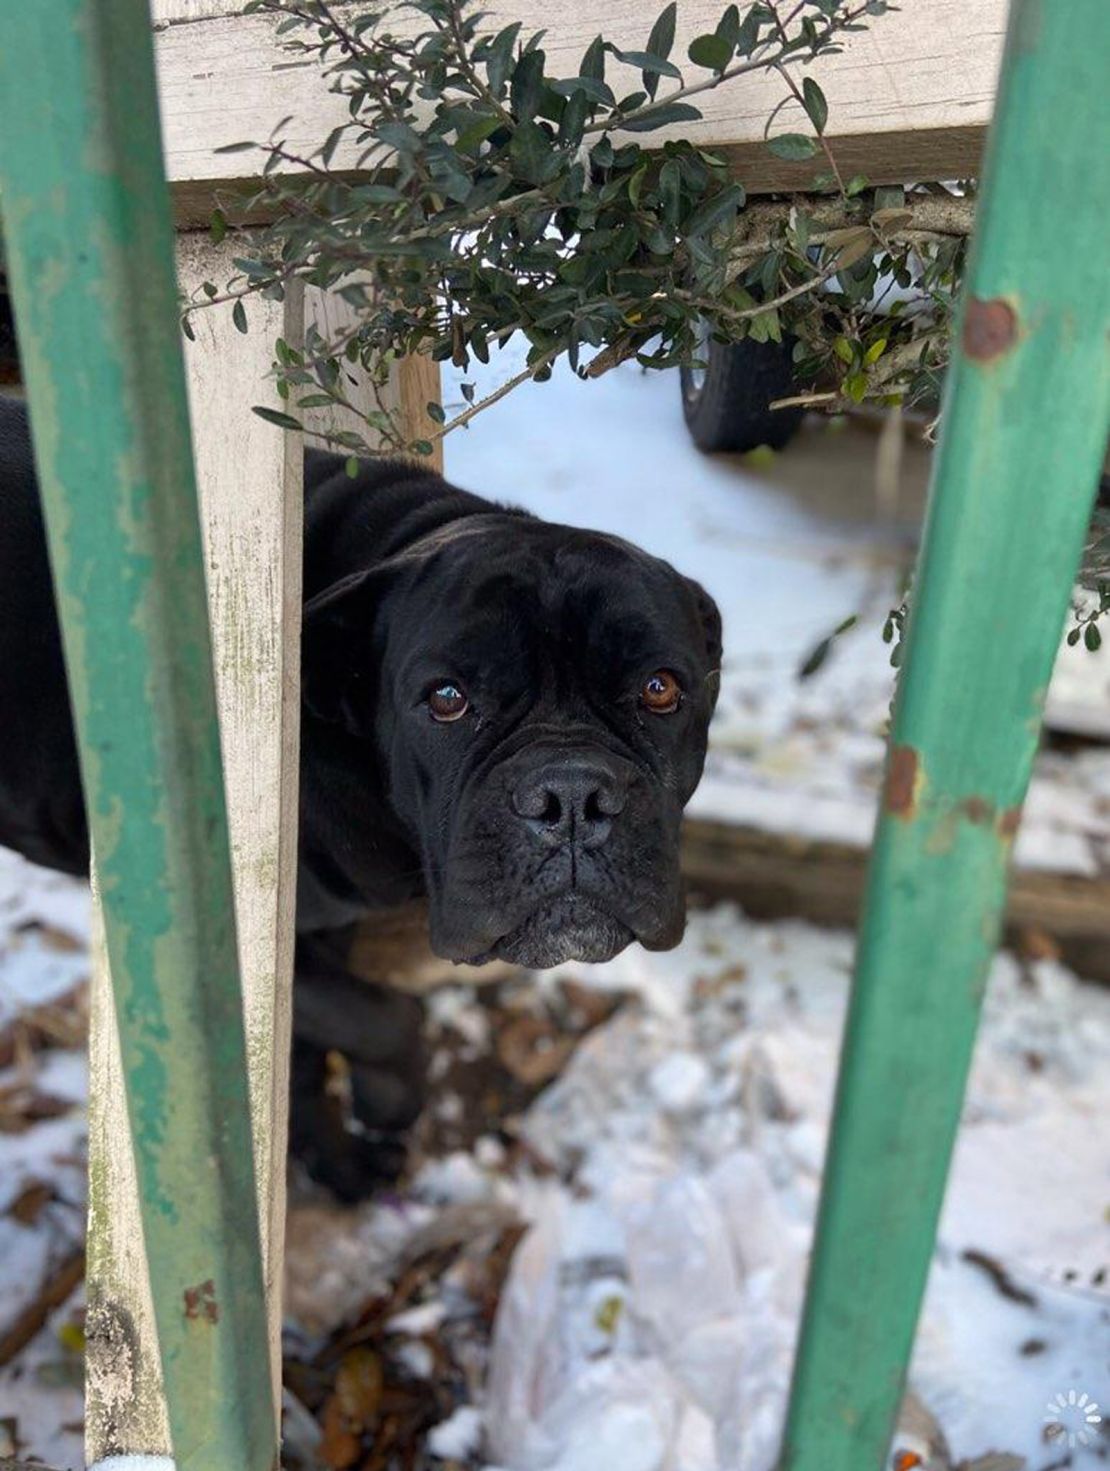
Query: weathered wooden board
{"x": 249, "y": 476}
{"x": 774, "y": 875}
{"x": 909, "y": 98}
{"x": 414, "y": 382}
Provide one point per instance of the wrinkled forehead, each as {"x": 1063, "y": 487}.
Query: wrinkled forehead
{"x": 519, "y": 581}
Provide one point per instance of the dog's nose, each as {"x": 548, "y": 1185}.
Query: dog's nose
{"x": 570, "y": 800}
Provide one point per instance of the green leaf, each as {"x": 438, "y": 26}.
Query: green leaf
{"x": 531, "y": 153}
{"x": 572, "y": 124}
{"x": 659, "y": 44}
{"x": 748, "y": 38}
{"x": 636, "y": 184}
{"x": 729, "y": 25}
{"x": 593, "y": 62}
{"x": 661, "y": 40}
{"x": 596, "y": 91}
{"x": 715, "y": 211}
{"x": 275, "y": 416}
{"x": 855, "y": 386}
{"x": 875, "y": 351}
{"x": 187, "y": 328}
{"x": 217, "y": 226}
{"x": 499, "y": 57}
{"x": 792, "y": 146}
{"x": 820, "y": 652}
{"x": 670, "y": 190}
{"x": 814, "y": 660}
{"x": 398, "y": 135}
{"x": 478, "y": 132}
{"x": 647, "y": 62}
{"x": 235, "y": 148}
{"x": 315, "y": 401}
{"x": 526, "y": 87}
{"x": 376, "y": 193}
{"x": 844, "y": 350}
{"x": 856, "y": 185}
{"x": 710, "y": 51}
{"x": 815, "y": 104}
{"x": 601, "y": 154}
{"x": 352, "y": 466}
{"x": 1091, "y": 637}
{"x": 435, "y": 411}
{"x": 853, "y": 251}
{"x": 772, "y": 324}
{"x": 331, "y": 142}
{"x": 890, "y": 196}
{"x": 239, "y": 316}
{"x": 422, "y": 447}
{"x": 661, "y": 116}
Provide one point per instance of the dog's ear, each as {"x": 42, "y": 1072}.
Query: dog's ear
{"x": 340, "y": 656}
{"x": 709, "y": 616}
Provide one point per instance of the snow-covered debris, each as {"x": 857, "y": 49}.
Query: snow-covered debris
{"x": 458, "y": 1437}
{"x": 656, "y": 1297}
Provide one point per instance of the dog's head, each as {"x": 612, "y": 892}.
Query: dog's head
{"x": 537, "y": 698}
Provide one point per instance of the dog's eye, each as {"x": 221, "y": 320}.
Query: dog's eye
{"x": 661, "y": 693}
{"x": 447, "y": 702}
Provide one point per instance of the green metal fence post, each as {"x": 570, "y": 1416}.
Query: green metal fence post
{"x": 89, "y": 233}
{"x": 1024, "y": 432}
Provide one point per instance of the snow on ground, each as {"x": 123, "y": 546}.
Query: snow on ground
{"x": 44, "y": 935}
{"x": 649, "y": 1317}
{"x": 670, "y": 1176}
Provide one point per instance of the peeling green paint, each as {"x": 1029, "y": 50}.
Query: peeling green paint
{"x": 89, "y": 237}
{"x": 1023, "y": 436}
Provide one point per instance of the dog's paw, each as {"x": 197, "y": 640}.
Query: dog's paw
{"x": 354, "y": 1166}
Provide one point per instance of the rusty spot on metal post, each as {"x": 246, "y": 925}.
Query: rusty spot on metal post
{"x": 200, "y": 1302}
{"x": 977, "y": 810}
{"x": 990, "y": 328}
{"x": 901, "y": 781}
{"x": 1009, "y": 822}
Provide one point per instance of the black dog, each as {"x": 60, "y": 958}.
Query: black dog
{"x": 505, "y": 715}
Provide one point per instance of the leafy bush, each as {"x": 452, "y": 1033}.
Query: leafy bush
{"x": 491, "y": 196}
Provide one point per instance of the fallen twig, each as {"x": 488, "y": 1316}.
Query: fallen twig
{"x": 69, "y": 1272}
{"x": 1000, "y": 1277}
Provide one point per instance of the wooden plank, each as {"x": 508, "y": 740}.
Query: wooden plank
{"x": 414, "y": 382}
{"x": 909, "y": 98}
{"x": 249, "y": 477}
{"x": 775, "y": 876}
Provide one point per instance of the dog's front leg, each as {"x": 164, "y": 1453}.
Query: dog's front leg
{"x": 351, "y": 1145}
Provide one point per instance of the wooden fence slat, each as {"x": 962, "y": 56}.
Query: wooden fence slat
{"x": 909, "y": 98}
{"x": 249, "y": 477}
{"x": 414, "y": 382}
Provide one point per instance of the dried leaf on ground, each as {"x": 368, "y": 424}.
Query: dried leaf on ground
{"x": 29, "y": 1203}
{"x": 22, "y": 1104}
{"x": 533, "y": 1051}
{"x": 358, "y": 1387}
